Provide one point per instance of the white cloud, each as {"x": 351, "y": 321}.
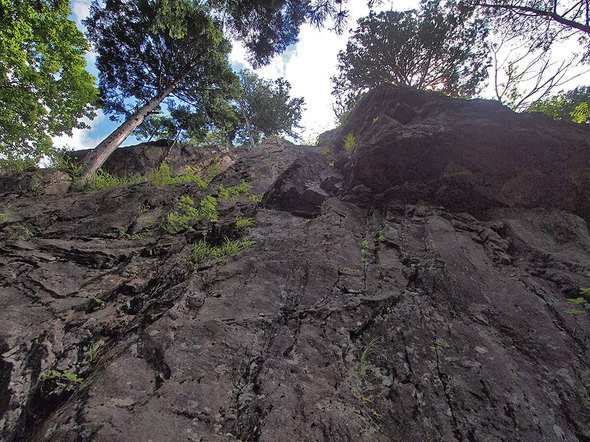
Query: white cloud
{"x": 82, "y": 138}
{"x": 80, "y": 10}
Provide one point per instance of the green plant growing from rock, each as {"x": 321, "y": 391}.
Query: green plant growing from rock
{"x": 189, "y": 214}
{"x": 21, "y": 229}
{"x": 143, "y": 208}
{"x": 203, "y": 250}
{"x": 364, "y": 367}
{"x": 366, "y": 252}
{"x": 244, "y": 223}
{"x": 63, "y": 380}
{"x": 3, "y": 217}
{"x": 101, "y": 304}
{"x": 162, "y": 176}
{"x": 234, "y": 193}
{"x": 349, "y": 143}
{"x": 102, "y": 180}
{"x": 93, "y": 351}
{"x": 581, "y": 301}
{"x": 64, "y": 162}
{"x": 368, "y": 350}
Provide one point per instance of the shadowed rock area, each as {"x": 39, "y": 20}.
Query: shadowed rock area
{"x": 411, "y": 284}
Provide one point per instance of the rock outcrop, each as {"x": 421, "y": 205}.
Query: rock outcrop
{"x": 407, "y": 280}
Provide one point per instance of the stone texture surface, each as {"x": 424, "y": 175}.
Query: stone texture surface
{"x": 369, "y": 308}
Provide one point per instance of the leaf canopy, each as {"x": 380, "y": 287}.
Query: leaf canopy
{"x": 426, "y": 49}
{"x": 45, "y": 89}
{"x": 144, "y": 46}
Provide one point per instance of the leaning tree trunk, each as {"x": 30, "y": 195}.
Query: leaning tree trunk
{"x": 247, "y": 123}
{"x": 97, "y": 156}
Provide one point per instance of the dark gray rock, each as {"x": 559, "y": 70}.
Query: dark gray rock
{"x": 378, "y": 317}
{"x": 466, "y": 155}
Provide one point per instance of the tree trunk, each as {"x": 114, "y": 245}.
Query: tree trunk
{"x": 247, "y": 123}
{"x": 97, "y": 156}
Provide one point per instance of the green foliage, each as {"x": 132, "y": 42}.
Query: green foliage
{"x": 162, "y": 176}
{"x": 62, "y": 160}
{"x": 244, "y": 223}
{"x": 267, "y": 107}
{"x": 62, "y": 379}
{"x": 369, "y": 349}
{"x": 44, "y": 87}
{"x": 234, "y": 193}
{"x": 149, "y": 52}
{"x": 581, "y": 301}
{"x": 573, "y": 105}
{"x": 9, "y": 166}
{"x": 349, "y": 143}
{"x": 266, "y": 28}
{"x": 203, "y": 250}
{"x": 189, "y": 214}
{"x": 325, "y": 151}
{"x": 93, "y": 351}
{"x": 212, "y": 170}
{"x": 103, "y": 180}
{"x": 143, "y": 208}
{"x": 3, "y": 217}
{"x": 427, "y": 49}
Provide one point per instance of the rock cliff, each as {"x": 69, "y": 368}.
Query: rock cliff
{"x": 408, "y": 279}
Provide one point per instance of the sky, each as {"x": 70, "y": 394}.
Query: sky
{"x": 307, "y": 66}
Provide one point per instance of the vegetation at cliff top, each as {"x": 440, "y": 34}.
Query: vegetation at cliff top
{"x": 150, "y": 51}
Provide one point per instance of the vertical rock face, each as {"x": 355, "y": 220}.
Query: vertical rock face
{"x": 466, "y": 155}
{"x": 414, "y": 286}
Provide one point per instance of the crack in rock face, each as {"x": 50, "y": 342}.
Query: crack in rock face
{"x": 416, "y": 284}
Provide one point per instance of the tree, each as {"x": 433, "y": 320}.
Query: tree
{"x": 259, "y": 108}
{"x": 44, "y": 87}
{"x": 573, "y": 105}
{"x": 565, "y": 14}
{"x": 266, "y": 108}
{"x": 429, "y": 49}
{"x": 524, "y": 73}
{"x": 149, "y": 50}
{"x": 269, "y": 27}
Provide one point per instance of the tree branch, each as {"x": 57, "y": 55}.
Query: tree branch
{"x": 541, "y": 13}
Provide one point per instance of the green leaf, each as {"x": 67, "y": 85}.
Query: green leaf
{"x": 576, "y": 301}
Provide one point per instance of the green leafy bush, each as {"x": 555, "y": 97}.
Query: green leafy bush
{"x": 162, "y": 176}
{"x": 176, "y": 223}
